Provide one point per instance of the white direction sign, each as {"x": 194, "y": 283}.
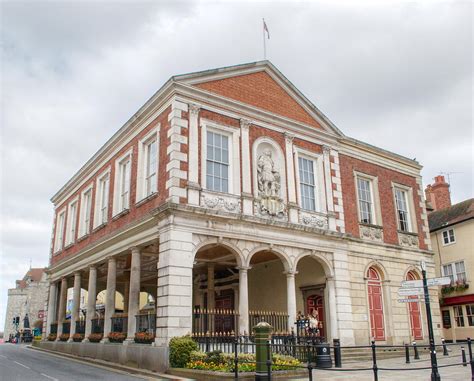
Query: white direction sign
{"x": 430, "y": 282}
{"x": 412, "y": 300}
{"x": 439, "y": 281}
{"x": 410, "y": 291}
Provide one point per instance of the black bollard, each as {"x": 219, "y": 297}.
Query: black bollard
{"x": 407, "y": 354}
{"x": 445, "y": 348}
{"x": 374, "y": 362}
{"x": 463, "y": 356}
{"x": 236, "y": 360}
{"x": 471, "y": 360}
{"x": 310, "y": 366}
{"x": 337, "y": 353}
{"x": 415, "y": 349}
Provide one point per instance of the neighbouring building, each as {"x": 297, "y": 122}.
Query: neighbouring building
{"x": 452, "y": 236}
{"x": 227, "y": 198}
{"x": 27, "y": 298}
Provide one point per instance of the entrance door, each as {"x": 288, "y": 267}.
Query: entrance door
{"x": 225, "y": 322}
{"x": 316, "y": 302}
{"x": 415, "y": 314}
{"x": 374, "y": 288}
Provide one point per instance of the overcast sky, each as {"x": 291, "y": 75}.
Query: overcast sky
{"x": 397, "y": 75}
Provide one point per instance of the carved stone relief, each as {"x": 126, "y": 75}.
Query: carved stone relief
{"x": 371, "y": 233}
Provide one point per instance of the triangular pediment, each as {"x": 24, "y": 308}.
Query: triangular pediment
{"x": 262, "y": 86}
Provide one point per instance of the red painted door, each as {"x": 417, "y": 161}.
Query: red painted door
{"x": 224, "y": 322}
{"x": 316, "y": 302}
{"x": 374, "y": 287}
{"x": 415, "y": 314}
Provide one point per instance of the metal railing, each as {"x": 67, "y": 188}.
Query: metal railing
{"x": 80, "y": 326}
{"x": 66, "y": 327}
{"x": 277, "y": 319}
{"x": 214, "y": 321}
{"x": 97, "y": 325}
{"x": 119, "y": 323}
{"x": 54, "y": 328}
{"x": 146, "y": 323}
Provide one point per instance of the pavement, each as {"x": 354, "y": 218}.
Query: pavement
{"x": 20, "y": 363}
{"x": 450, "y": 373}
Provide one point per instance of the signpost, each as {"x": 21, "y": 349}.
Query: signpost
{"x": 420, "y": 287}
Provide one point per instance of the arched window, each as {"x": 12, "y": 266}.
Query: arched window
{"x": 374, "y": 290}
{"x": 415, "y": 313}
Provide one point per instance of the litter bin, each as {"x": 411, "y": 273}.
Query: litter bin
{"x": 323, "y": 356}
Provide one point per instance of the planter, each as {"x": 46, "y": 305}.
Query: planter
{"x": 64, "y": 337}
{"x": 144, "y": 341}
{"x": 116, "y": 337}
{"x": 144, "y": 338}
{"x": 52, "y": 337}
{"x": 95, "y": 337}
{"x": 77, "y": 337}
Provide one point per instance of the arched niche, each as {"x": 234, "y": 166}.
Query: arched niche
{"x": 269, "y": 177}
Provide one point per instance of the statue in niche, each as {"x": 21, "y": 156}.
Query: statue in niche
{"x": 269, "y": 185}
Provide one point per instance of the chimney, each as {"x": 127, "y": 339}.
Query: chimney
{"x": 437, "y": 194}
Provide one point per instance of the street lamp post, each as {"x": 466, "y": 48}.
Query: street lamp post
{"x": 434, "y": 363}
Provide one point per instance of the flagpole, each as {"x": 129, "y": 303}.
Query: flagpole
{"x": 264, "y": 43}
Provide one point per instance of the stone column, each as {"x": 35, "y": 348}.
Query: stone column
{"x": 243, "y": 301}
{"x": 328, "y": 185}
{"x": 211, "y": 296}
{"x": 247, "y": 198}
{"x": 126, "y": 296}
{"x": 291, "y": 178}
{"x": 76, "y": 303}
{"x": 291, "y": 298}
{"x": 332, "y": 309}
{"x": 134, "y": 294}
{"x": 387, "y": 311}
{"x": 62, "y": 306}
{"x": 53, "y": 289}
{"x": 193, "y": 171}
{"x": 110, "y": 297}
{"x": 175, "y": 269}
{"x": 91, "y": 301}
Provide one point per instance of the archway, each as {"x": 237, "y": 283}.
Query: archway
{"x": 375, "y": 300}
{"x": 267, "y": 289}
{"x": 414, "y": 312}
{"x": 312, "y": 293}
{"x": 215, "y": 290}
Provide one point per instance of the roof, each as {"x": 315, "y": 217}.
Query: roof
{"x": 34, "y": 275}
{"x": 453, "y": 215}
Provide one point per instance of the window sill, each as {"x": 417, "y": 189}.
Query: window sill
{"x": 371, "y": 225}
{"x": 408, "y": 233}
{"x": 68, "y": 246}
{"x": 101, "y": 226}
{"x": 82, "y": 238}
{"x": 146, "y": 199}
{"x": 122, "y": 213}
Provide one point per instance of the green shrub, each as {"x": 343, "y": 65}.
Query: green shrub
{"x": 197, "y": 356}
{"x": 180, "y": 351}
{"x": 214, "y": 357}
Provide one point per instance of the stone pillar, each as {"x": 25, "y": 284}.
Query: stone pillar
{"x": 134, "y": 294}
{"x": 175, "y": 269}
{"x": 193, "y": 171}
{"x": 76, "y": 303}
{"x": 291, "y": 298}
{"x": 91, "y": 301}
{"x": 328, "y": 185}
{"x": 126, "y": 296}
{"x": 62, "y": 306}
{"x": 110, "y": 297}
{"x": 332, "y": 309}
{"x": 53, "y": 289}
{"x": 247, "y": 198}
{"x": 291, "y": 178}
{"x": 211, "y": 296}
{"x": 387, "y": 311}
{"x": 243, "y": 301}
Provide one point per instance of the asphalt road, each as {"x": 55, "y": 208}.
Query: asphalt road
{"x": 20, "y": 363}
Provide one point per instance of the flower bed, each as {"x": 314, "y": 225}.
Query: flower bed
{"x": 224, "y": 362}
{"x": 64, "y": 337}
{"x": 144, "y": 338}
{"x": 77, "y": 337}
{"x": 52, "y": 337}
{"x": 116, "y": 337}
{"x": 95, "y": 337}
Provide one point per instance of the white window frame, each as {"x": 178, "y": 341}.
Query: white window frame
{"x": 98, "y": 221}
{"x": 319, "y": 186}
{"x": 118, "y": 207}
{"x": 142, "y": 191}
{"x": 411, "y": 219}
{"x": 72, "y": 221}
{"x": 84, "y": 228}
{"x": 448, "y": 236}
{"x": 452, "y": 265}
{"x": 234, "y": 154}
{"x": 374, "y": 194}
{"x": 59, "y": 233}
